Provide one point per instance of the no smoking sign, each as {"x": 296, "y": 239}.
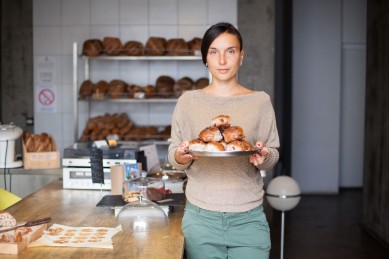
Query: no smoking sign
{"x": 46, "y": 97}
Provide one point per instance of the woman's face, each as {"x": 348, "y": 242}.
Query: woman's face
{"x": 224, "y": 57}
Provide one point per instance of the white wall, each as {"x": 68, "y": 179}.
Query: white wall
{"x": 59, "y": 23}
{"x": 328, "y": 94}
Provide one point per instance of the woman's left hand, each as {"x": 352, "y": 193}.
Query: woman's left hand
{"x": 262, "y": 155}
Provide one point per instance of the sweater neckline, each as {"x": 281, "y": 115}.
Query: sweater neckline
{"x": 217, "y": 97}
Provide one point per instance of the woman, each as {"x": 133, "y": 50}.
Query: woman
{"x": 224, "y": 216}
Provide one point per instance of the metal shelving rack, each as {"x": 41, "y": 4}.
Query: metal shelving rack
{"x": 87, "y": 60}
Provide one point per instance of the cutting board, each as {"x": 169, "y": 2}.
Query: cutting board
{"x": 17, "y": 247}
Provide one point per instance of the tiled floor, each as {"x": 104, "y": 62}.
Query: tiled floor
{"x": 326, "y": 227}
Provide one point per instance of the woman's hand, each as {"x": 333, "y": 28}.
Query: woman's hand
{"x": 182, "y": 154}
{"x": 263, "y": 153}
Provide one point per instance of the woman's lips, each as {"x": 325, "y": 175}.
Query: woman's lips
{"x": 223, "y": 71}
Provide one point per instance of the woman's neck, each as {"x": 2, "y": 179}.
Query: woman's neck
{"x": 230, "y": 88}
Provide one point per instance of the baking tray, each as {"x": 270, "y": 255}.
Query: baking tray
{"x": 174, "y": 199}
{"x": 224, "y": 153}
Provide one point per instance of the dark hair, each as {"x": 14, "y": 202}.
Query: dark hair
{"x": 213, "y": 32}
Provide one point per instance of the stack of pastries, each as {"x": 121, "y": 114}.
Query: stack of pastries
{"x": 221, "y": 136}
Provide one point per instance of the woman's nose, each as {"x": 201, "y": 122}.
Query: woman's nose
{"x": 222, "y": 59}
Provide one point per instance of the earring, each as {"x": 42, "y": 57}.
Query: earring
{"x": 206, "y": 64}
{"x": 241, "y": 63}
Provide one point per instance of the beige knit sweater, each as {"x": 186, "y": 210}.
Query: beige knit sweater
{"x": 227, "y": 184}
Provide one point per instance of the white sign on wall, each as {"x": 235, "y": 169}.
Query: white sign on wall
{"x": 45, "y": 87}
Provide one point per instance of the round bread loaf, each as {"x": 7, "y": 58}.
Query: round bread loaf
{"x": 6, "y": 220}
{"x": 133, "y": 48}
{"x": 101, "y": 87}
{"x": 86, "y": 89}
{"x": 210, "y": 134}
{"x": 155, "y": 46}
{"x": 165, "y": 86}
{"x": 150, "y": 91}
{"x": 117, "y": 89}
{"x": 194, "y": 46}
{"x": 112, "y": 46}
{"x": 177, "y": 47}
{"x": 201, "y": 83}
{"x": 133, "y": 89}
{"x": 182, "y": 85}
{"x": 233, "y": 133}
{"x": 248, "y": 146}
{"x": 92, "y": 47}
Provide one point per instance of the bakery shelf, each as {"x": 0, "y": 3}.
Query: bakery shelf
{"x": 136, "y": 58}
{"x": 132, "y": 100}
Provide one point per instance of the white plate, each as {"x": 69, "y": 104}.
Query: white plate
{"x": 223, "y": 153}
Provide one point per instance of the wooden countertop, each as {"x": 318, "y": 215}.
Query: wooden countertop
{"x": 77, "y": 208}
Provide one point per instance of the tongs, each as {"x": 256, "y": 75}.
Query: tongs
{"x": 28, "y": 224}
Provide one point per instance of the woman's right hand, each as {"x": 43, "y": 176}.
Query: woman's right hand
{"x": 182, "y": 155}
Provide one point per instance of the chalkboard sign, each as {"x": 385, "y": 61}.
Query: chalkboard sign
{"x": 96, "y": 161}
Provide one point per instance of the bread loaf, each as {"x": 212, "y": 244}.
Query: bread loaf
{"x": 165, "y": 86}
{"x": 101, "y": 87}
{"x": 92, "y": 47}
{"x": 201, "y": 83}
{"x": 182, "y": 85}
{"x": 6, "y": 220}
{"x": 177, "y": 47}
{"x": 86, "y": 89}
{"x": 133, "y": 48}
{"x": 210, "y": 134}
{"x": 155, "y": 46}
{"x": 112, "y": 46}
{"x": 40, "y": 143}
{"x": 233, "y": 133}
{"x": 117, "y": 89}
{"x": 194, "y": 46}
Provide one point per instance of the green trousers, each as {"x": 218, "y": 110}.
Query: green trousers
{"x": 210, "y": 234}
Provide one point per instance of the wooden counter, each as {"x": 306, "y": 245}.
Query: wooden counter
{"x": 77, "y": 208}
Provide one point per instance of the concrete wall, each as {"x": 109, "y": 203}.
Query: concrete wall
{"x": 16, "y": 62}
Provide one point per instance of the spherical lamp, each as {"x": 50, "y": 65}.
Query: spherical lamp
{"x": 283, "y": 193}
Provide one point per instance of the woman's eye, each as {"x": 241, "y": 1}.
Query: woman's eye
{"x": 212, "y": 52}
{"x": 231, "y": 51}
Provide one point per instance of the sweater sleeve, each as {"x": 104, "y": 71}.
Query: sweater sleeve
{"x": 176, "y": 138}
{"x": 269, "y": 133}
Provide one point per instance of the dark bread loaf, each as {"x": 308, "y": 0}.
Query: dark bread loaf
{"x": 86, "y": 89}
{"x": 201, "y": 83}
{"x": 92, "y": 48}
{"x": 194, "y": 46}
{"x": 177, "y": 47}
{"x": 101, "y": 87}
{"x": 117, "y": 89}
{"x": 133, "y": 48}
{"x": 155, "y": 46}
{"x": 165, "y": 86}
{"x": 182, "y": 85}
{"x": 112, "y": 46}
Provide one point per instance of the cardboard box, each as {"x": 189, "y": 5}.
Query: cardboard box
{"x": 41, "y": 160}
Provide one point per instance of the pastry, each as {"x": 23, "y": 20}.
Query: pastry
{"x": 196, "y": 145}
{"x": 210, "y": 134}
{"x": 221, "y": 121}
{"x": 116, "y": 89}
{"x": 233, "y": 133}
{"x": 236, "y": 145}
{"x": 6, "y": 220}
{"x": 214, "y": 147}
